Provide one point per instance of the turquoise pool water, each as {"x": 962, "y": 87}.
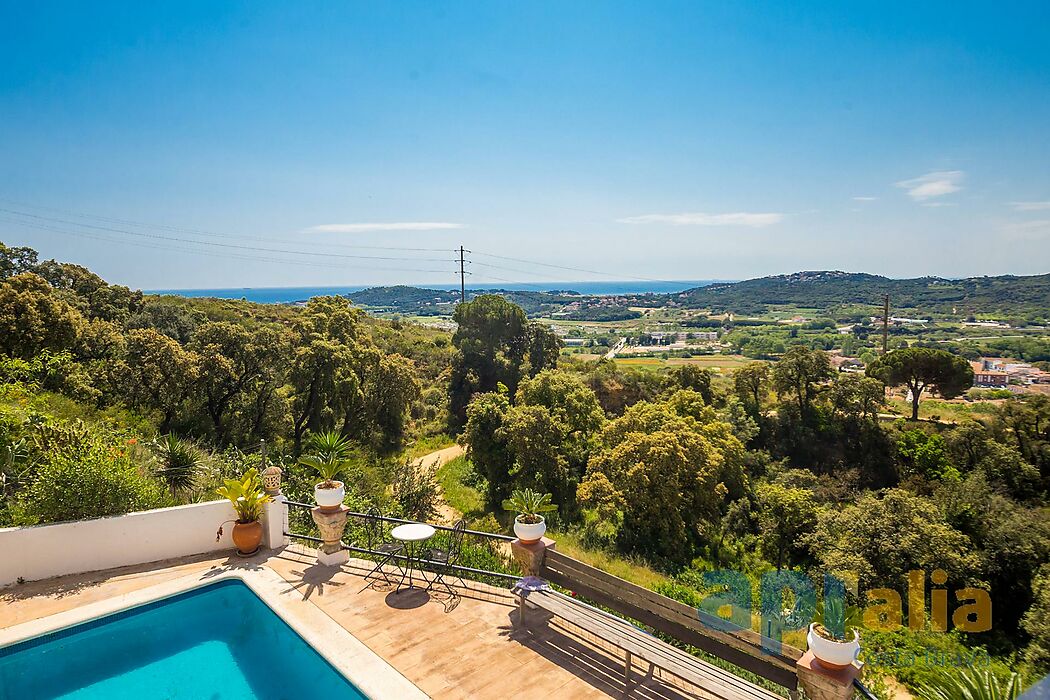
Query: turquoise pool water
{"x": 219, "y": 642}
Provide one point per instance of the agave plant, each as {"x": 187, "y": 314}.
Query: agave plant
{"x": 970, "y": 684}
{"x": 180, "y": 462}
{"x": 528, "y": 504}
{"x": 833, "y": 612}
{"x": 246, "y": 494}
{"x": 331, "y": 454}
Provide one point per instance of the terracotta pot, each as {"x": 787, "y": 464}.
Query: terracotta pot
{"x": 247, "y": 537}
{"x": 833, "y": 654}
{"x": 529, "y": 533}
{"x": 329, "y": 500}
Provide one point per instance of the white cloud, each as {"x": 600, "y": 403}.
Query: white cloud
{"x": 1028, "y": 231}
{"x": 864, "y": 199}
{"x": 1030, "y": 206}
{"x": 740, "y": 218}
{"x": 392, "y": 226}
{"x": 935, "y": 184}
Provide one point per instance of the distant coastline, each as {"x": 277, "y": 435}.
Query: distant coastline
{"x": 291, "y": 295}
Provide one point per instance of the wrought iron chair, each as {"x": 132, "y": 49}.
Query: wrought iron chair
{"x": 382, "y": 548}
{"x": 443, "y": 559}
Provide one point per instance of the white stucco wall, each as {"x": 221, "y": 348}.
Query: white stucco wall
{"x": 45, "y": 551}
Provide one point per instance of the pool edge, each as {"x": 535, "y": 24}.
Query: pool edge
{"x": 365, "y": 669}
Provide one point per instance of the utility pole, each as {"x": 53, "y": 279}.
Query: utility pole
{"x": 462, "y": 278}
{"x": 885, "y": 322}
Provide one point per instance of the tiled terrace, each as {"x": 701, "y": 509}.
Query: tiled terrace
{"x": 472, "y": 651}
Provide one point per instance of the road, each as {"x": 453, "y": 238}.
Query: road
{"x": 615, "y": 349}
{"x": 446, "y": 513}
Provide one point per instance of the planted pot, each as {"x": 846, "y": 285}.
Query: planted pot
{"x": 529, "y": 533}
{"x": 247, "y": 537}
{"x": 833, "y": 654}
{"x": 329, "y": 498}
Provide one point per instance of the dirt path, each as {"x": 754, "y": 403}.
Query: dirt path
{"x": 446, "y": 513}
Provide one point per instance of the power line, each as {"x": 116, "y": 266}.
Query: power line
{"x": 202, "y": 232}
{"x": 213, "y": 243}
{"x": 512, "y": 269}
{"x": 221, "y": 253}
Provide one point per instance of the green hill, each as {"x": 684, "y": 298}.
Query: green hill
{"x": 1006, "y": 295}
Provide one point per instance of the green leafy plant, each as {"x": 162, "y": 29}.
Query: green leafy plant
{"x": 247, "y": 496}
{"x": 416, "y": 490}
{"x": 529, "y": 504}
{"x": 180, "y": 463}
{"x": 331, "y": 454}
{"x": 833, "y": 611}
{"x": 970, "y": 684}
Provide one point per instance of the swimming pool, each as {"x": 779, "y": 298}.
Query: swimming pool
{"x": 216, "y": 642}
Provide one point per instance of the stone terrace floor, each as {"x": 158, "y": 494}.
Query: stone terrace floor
{"x": 471, "y": 651}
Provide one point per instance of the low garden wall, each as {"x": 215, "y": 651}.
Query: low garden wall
{"x": 44, "y": 551}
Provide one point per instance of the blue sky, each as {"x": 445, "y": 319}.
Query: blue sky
{"x": 649, "y": 139}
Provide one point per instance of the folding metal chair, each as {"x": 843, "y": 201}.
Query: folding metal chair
{"x": 383, "y": 548}
{"x": 447, "y": 558}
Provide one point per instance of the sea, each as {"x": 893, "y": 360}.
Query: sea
{"x": 292, "y": 295}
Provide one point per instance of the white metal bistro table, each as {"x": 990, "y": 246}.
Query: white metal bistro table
{"x": 411, "y": 534}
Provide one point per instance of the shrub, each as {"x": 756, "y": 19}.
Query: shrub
{"x": 416, "y": 490}
{"x": 82, "y": 475}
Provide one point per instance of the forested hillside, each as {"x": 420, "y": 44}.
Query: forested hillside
{"x": 90, "y": 369}
{"x": 112, "y": 401}
{"x": 836, "y": 294}
{"x": 1007, "y": 295}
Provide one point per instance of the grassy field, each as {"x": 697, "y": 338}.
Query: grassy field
{"x": 425, "y": 446}
{"x": 947, "y": 411}
{"x": 722, "y": 362}
{"x": 464, "y": 498}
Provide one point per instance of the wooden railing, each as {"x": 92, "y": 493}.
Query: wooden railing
{"x": 743, "y": 648}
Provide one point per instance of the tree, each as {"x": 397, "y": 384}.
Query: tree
{"x": 487, "y": 449}
{"x": 115, "y": 303}
{"x": 157, "y": 374}
{"x": 800, "y": 371}
{"x": 1036, "y": 623}
{"x": 324, "y": 371}
{"x": 925, "y": 455}
{"x": 922, "y": 368}
{"x": 543, "y": 442}
{"x": 667, "y": 473}
{"x": 751, "y": 383}
{"x": 235, "y": 362}
{"x": 495, "y": 344}
{"x": 538, "y": 440}
{"x": 784, "y": 516}
{"x": 33, "y": 318}
{"x": 1004, "y": 466}
{"x": 572, "y": 403}
{"x": 172, "y": 320}
{"x": 1012, "y": 542}
{"x": 883, "y": 536}
{"x": 856, "y": 398}
{"x": 618, "y": 387}
{"x": 388, "y": 386}
{"x": 15, "y": 261}
{"x": 691, "y": 377}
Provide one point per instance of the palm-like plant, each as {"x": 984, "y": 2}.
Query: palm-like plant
{"x": 331, "y": 454}
{"x": 528, "y": 504}
{"x": 971, "y": 684}
{"x": 180, "y": 462}
{"x": 833, "y": 612}
{"x": 247, "y": 496}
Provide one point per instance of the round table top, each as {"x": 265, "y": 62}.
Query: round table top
{"x": 412, "y": 532}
